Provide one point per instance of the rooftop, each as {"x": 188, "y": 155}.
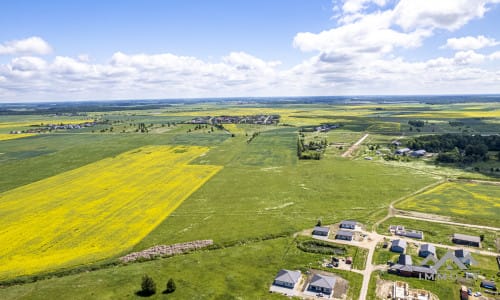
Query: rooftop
{"x": 323, "y": 281}
{"x": 464, "y": 237}
{"x": 288, "y": 276}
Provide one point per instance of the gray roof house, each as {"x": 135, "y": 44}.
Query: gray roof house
{"x": 398, "y": 246}
{"x": 287, "y": 278}
{"x": 348, "y": 224}
{"x": 322, "y": 231}
{"x": 426, "y": 250}
{"x": 468, "y": 240}
{"x": 405, "y": 260}
{"x": 322, "y": 284}
{"x": 418, "y": 153}
{"x": 402, "y": 151}
{"x": 344, "y": 235}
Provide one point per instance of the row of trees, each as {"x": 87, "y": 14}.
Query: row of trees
{"x": 148, "y": 286}
{"x": 457, "y": 147}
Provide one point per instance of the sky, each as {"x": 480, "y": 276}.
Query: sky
{"x": 152, "y": 49}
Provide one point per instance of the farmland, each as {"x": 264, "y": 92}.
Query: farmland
{"x": 476, "y": 203}
{"x": 95, "y": 211}
{"x": 75, "y": 200}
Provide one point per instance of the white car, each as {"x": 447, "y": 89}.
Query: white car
{"x": 477, "y": 294}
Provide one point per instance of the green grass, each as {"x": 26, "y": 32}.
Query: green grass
{"x": 263, "y": 189}
{"x": 465, "y": 202}
{"x": 238, "y": 272}
{"x": 440, "y": 233}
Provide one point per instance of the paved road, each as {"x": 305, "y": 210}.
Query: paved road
{"x": 353, "y": 147}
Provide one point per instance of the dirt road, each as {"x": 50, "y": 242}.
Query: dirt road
{"x": 354, "y": 146}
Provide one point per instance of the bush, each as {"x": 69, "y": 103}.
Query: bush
{"x": 170, "y": 286}
{"x": 148, "y": 286}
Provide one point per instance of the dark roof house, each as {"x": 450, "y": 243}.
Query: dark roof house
{"x": 344, "y": 235}
{"x": 469, "y": 240}
{"x": 348, "y": 224}
{"x": 405, "y": 260}
{"x": 398, "y": 246}
{"x": 426, "y": 250}
{"x": 322, "y": 231}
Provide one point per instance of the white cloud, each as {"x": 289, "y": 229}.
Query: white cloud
{"x": 32, "y": 45}
{"x": 354, "y": 6}
{"x": 470, "y": 43}
{"x": 443, "y": 14}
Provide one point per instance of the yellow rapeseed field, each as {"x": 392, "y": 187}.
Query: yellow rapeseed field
{"x": 95, "y": 211}
{"x": 6, "y": 136}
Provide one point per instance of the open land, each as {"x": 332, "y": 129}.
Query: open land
{"x": 146, "y": 177}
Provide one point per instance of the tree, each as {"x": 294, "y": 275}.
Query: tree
{"x": 148, "y": 286}
{"x": 170, "y": 286}
{"x": 318, "y": 223}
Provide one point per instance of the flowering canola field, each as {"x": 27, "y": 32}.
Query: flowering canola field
{"x": 7, "y": 136}
{"x": 95, "y": 211}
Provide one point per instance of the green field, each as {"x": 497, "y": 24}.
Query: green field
{"x": 465, "y": 202}
{"x": 264, "y": 194}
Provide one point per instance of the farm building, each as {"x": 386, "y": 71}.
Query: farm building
{"x": 321, "y": 231}
{"x": 287, "y": 278}
{"x": 402, "y": 151}
{"x": 344, "y": 235}
{"x": 426, "y": 250}
{"x": 468, "y": 240}
{"x": 488, "y": 285}
{"x": 413, "y": 271}
{"x": 398, "y": 246}
{"x": 414, "y": 234}
{"x": 322, "y": 284}
{"x": 418, "y": 153}
{"x": 348, "y": 224}
{"x": 405, "y": 260}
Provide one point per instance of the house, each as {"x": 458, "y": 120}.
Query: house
{"x": 468, "y": 240}
{"x": 322, "y": 284}
{"x": 463, "y": 256}
{"x": 414, "y": 234}
{"x": 398, "y": 246}
{"x": 396, "y": 228}
{"x": 488, "y": 285}
{"x": 413, "y": 271}
{"x": 426, "y": 250}
{"x": 321, "y": 231}
{"x": 402, "y": 151}
{"x": 287, "y": 278}
{"x": 405, "y": 260}
{"x": 348, "y": 224}
{"x": 344, "y": 235}
{"x": 396, "y": 143}
{"x": 418, "y": 153}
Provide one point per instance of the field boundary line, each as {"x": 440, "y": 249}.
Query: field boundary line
{"x": 400, "y": 214}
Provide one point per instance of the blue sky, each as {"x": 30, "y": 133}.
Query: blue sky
{"x": 77, "y": 50}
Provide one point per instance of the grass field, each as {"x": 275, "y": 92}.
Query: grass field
{"x": 95, "y": 211}
{"x": 6, "y": 136}
{"x": 473, "y": 203}
{"x": 240, "y": 272}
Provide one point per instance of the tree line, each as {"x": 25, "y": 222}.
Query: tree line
{"x": 454, "y": 148}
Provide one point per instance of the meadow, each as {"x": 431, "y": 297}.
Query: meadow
{"x": 259, "y": 194}
{"x": 465, "y": 202}
{"x": 95, "y": 211}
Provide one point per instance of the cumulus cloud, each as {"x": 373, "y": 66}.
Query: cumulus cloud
{"x": 470, "y": 43}
{"x": 443, "y": 14}
{"x": 32, "y": 45}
